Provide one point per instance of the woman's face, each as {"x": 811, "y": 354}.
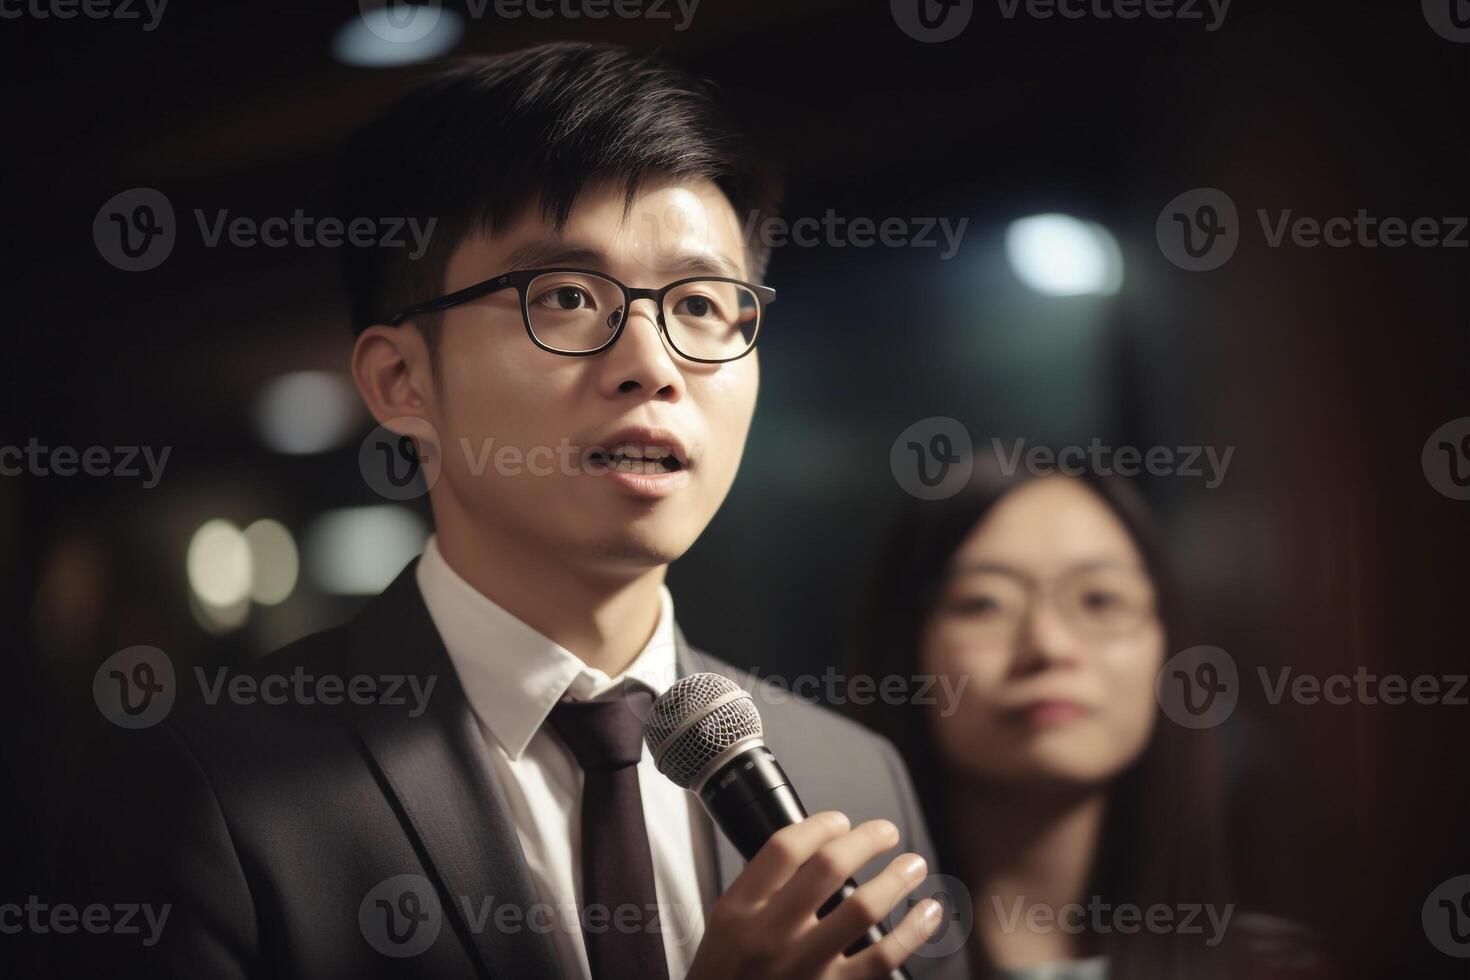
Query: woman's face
{"x": 1049, "y": 613}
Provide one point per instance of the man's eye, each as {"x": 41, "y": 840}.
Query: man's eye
{"x": 697, "y": 306}
{"x": 565, "y": 298}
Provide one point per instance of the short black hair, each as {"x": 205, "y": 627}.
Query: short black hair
{"x": 470, "y": 145}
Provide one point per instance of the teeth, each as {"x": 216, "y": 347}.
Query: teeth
{"x": 646, "y": 466}
{"x": 633, "y": 450}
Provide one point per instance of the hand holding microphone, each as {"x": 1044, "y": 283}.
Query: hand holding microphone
{"x": 794, "y": 911}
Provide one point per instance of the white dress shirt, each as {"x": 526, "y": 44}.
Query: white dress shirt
{"x": 513, "y": 676}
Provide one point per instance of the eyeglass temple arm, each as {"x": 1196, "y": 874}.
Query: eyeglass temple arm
{"x": 454, "y": 299}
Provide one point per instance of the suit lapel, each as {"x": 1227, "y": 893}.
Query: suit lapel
{"x": 434, "y": 767}
{"x": 728, "y": 862}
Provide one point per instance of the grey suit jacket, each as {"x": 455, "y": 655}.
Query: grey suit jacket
{"x": 359, "y": 840}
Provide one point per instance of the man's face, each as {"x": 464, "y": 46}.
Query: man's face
{"x": 516, "y": 423}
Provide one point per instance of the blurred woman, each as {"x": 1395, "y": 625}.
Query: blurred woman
{"x": 1085, "y": 826}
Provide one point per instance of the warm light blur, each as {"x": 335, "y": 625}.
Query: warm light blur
{"x": 219, "y": 564}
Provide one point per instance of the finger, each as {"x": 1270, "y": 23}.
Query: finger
{"x": 882, "y": 958}
{"x": 825, "y": 871}
{"x": 786, "y": 851}
{"x": 871, "y": 903}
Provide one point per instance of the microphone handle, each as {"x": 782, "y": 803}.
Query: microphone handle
{"x": 750, "y": 798}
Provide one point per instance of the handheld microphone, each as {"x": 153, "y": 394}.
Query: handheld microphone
{"x": 705, "y": 735}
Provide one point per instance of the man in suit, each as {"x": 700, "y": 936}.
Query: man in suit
{"x": 573, "y": 358}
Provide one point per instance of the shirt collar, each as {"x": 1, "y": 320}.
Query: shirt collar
{"x": 512, "y": 674}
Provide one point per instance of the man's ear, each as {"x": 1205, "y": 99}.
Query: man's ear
{"x": 393, "y": 370}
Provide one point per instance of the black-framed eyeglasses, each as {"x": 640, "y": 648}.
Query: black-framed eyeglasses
{"x": 710, "y": 319}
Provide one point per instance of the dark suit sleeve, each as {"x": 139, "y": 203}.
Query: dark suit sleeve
{"x": 915, "y": 829}
{"x": 144, "y": 832}
{"x": 936, "y": 960}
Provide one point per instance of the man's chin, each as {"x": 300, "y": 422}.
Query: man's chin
{"x": 638, "y": 550}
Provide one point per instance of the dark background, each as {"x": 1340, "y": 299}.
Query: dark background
{"x": 1325, "y": 548}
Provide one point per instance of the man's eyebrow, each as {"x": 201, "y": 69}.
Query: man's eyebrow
{"x": 552, "y": 252}
{"x": 704, "y": 263}
{"x": 555, "y": 252}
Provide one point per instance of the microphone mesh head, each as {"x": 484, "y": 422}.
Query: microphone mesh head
{"x": 694, "y": 721}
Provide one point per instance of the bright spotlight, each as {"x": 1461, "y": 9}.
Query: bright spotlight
{"x": 397, "y": 34}
{"x": 1060, "y": 255}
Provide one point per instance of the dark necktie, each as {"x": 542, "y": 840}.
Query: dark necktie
{"x": 617, "y": 866}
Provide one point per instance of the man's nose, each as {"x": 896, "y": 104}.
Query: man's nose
{"x": 641, "y": 360}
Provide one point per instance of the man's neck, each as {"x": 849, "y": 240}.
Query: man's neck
{"x": 605, "y": 620}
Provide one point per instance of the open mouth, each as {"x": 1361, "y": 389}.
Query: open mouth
{"x": 632, "y": 458}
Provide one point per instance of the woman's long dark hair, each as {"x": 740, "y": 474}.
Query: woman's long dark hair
{"x": 1162, "y": 836}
